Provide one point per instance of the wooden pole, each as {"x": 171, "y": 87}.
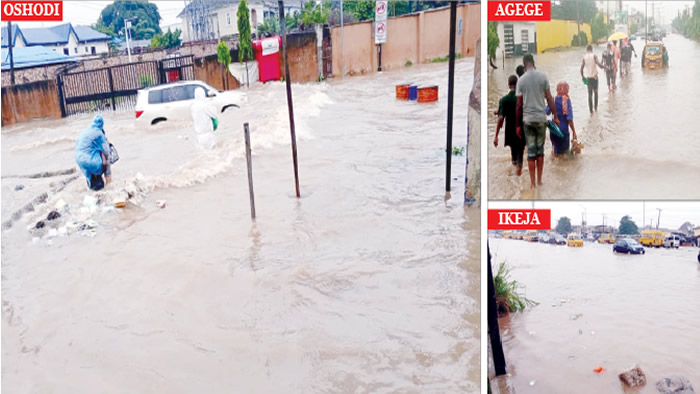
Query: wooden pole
{"x": 249, "y": 162}
{"x": 379, "y": 68}
{"x": 290, "y": 105}
{"x": 450, "y": 94}
{"x": 499, "y": 359}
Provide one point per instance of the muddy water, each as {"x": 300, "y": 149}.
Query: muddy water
{"x": 641, "y": 144}
{"x": 368, "y": 283}
{"x": 634, "y": 309}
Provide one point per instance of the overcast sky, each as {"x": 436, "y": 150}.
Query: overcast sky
{"x": 87, "y": 12}
{"x": 673, "y": 214}
{"x": 666, "y": 10}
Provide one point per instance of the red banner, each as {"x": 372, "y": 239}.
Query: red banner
{"x": 520, "y": 219}
{"x": 34, "y": 11}
{"x": 524, "y": 11}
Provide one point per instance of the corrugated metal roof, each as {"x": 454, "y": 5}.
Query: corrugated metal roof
{"x": 33, "y": 56}
{"x": 54, "y": 35}
{"x": 4, "y": 35}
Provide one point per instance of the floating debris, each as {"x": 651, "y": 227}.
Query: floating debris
{"x": 161, "y": 203}
{"x": 633, "y": 377}
{"x": 39, "y": 224}
{"x": 19, "y": 187}
{"x": 53, "y": 215}
{"x": 598, "y": 369}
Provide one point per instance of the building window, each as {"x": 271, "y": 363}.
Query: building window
{"x": 93, "y": 50}
{"x": 86, "y": 49}
{"x": 65, "y": 51}
{"x": 228, "y": 18}
{"x": 75, "y": 50}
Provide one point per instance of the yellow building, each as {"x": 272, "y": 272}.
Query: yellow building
{"x": 559, "y": 33}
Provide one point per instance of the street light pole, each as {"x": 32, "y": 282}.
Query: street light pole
{"x": 9, "y": 48}
{"x": 127, "y": 25}
{"x": 342, "y": 41}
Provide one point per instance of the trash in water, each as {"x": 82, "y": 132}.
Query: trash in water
{"x": 120, "y": 202}
{"x": 89, "y": 224}
{"x": 576, "y": 316}
{"x": 599, "y": 369}
{"x": 39, "y": 224}
{"x": 161, "y": 203}
{"x": 563, "y": 301}
{"x": 53, "y": 215}
{"x": 633, "y": 377}
{"x": 19, "y": 187}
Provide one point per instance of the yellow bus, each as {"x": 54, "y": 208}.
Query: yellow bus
{"x": 653, "y": 238}
{"x": 507, "y": 234}
{"x": 574, "y": 240}
{"x": 531, "y": 236}
{"x": 606, "y": 239}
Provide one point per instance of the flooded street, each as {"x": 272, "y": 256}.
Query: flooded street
{"x": 641, "y": 144}
{"x": 597, "y": 308}
{"x": 368, "y": 283}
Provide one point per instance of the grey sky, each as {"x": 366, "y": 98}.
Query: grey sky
{"x": 673, "y": 214}
{"x": 87, "y": 12}
{"x": 666, "y": 10}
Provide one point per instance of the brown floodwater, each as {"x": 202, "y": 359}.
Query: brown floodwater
{"x": 368, "y": 283}
{"x": 597, "y": 308}
{"x": 641, "y": 144}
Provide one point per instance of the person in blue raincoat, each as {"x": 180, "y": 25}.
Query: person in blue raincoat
{"x": 92, "y": 154}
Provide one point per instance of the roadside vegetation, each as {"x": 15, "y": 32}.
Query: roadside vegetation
{"x": 508, "y": 295}
{"x": 688, "y": 22}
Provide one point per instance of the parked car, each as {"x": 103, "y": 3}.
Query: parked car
{"x": 672, "y": 241}
{"x": 544, "y": 238}
{"x": 557, "y": 239}
{"x": 574, "y": 240}
{"x": 172, "y": 101}
{"x": 628, "y": 245}
{"x": 531, "y": 236}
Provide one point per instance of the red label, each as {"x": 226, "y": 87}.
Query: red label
{"x": 520, "y": 219}
{"x": 525, "y": 11}
{"x": 35, "y": 11}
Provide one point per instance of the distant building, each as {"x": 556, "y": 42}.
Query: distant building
{"x": 35, "y": 56}
{"x": 66, "y": 38}
{"x": 516, "y": 39}
{"x": 209, "y": 20}
{"x": 137, "y": 46}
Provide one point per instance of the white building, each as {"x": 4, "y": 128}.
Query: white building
{"x": 66, "y": 38}
{"x": 516, "y": 39}
{"x": 208, "y": 20}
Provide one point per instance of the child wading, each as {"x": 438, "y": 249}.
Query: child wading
{"x": 565, "y": 113}
{"x": 507, "y": 113}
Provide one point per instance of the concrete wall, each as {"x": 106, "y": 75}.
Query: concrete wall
{"x": 302, "y": 57}
{"x": 36, "y": 100}
{"x": 558, "y": 33}
{"x": 417, "y": 38}
{"x": 209, "y": 70}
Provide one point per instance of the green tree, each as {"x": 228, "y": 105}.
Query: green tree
{"x": 314, "y": 13}
{"x": 567, "y": 9}
{"x": 563, "y": 225}
{"x": 269, "y": 27}
{"x": 144, "y": 16}
{"x": 245, "y": 43}
{"x": 688, "y": 22}
{"x": 628, "y": 226}
{"x": 167, "y": 40}
{"x": 363, "y": 10}
{"x": 493, "y": 41}
{"x": 224, "y": 56}
{"x": 599, "y": 29}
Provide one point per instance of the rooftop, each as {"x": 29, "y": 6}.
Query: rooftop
{"x": 26, "y": 57}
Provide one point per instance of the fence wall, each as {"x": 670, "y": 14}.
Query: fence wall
{"x": 302, "y": 57}
{"x": 417, "y": 38}
{"x": 36, "y": 100}
{"x": 558, "y": 33}
{"x": 208, "y": 69}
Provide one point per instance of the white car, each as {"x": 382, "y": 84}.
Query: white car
{"x": 672, "y": 241}
{"x": 172, "y": 101}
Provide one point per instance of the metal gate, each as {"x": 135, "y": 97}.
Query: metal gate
{"x": 115, "y": 88}
{"x": 525, "y": 40}
{"x": 327, "y": 53}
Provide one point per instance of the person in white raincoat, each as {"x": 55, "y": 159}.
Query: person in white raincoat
{"x": 202, "y": 115}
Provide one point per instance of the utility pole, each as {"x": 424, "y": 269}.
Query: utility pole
{"x": 659, "y": 219}
{"x": 290, "y": 105}
{"x": 644, "y": 212}
{"x": 9, "y": 49}
{"x": 127, "y": 25}
{"x": 450, "y": 94}
{"x": 646, "y": 22}
{"x": 578, "y": 20}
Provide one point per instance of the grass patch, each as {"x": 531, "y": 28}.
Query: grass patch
{"x": 458, "y": 150}
{"x": 445, "y": 58}
{"x": 409, "y": 63}
{"x": 508, "y": 295}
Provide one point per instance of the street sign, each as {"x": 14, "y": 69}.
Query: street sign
{"x": 380, "y": 21}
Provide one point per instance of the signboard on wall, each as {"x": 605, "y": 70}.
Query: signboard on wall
{"x": 380, "y": 21}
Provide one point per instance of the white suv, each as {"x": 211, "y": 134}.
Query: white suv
{"x": 172, "y": 101}
{"x": 672, "y": 241}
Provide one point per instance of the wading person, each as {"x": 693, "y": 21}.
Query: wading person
{"x": 563, "y": 111}
{"x": 507, "y": 114}
{"x": 626, "y": 58}
{"x": 92, "y": 154}
{"x": 531, "y": 91}
{"x": 205, "y": 118}
{"x": 589, "y": 73}
{"x": 608, "y": 63}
